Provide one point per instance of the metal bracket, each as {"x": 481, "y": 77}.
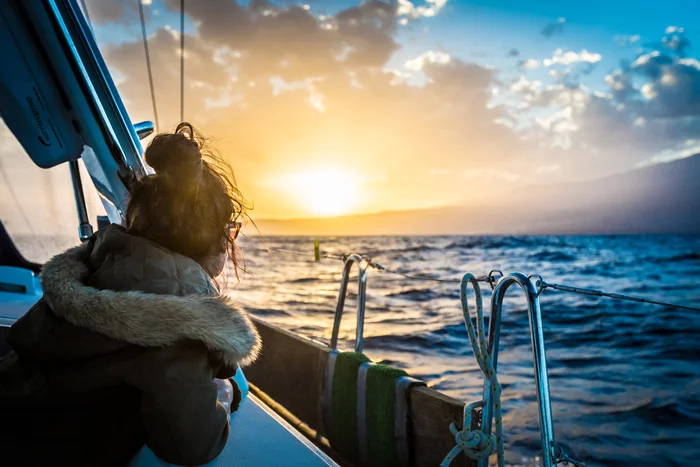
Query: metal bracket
{"x": 84, "y": 228}
{"x": 362, "y": 265}
{"x": 144, "y": 129}
{"x": 539, "y": 359}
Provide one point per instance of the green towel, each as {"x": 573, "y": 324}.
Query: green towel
{"x": 381, "y": 415}
{"x": 345, "y": 403}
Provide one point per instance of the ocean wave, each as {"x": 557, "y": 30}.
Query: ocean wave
{"x": 268, "y": 312}
{"x": 302, "y": 280}
{"x": 551, "y": 255}
{"x": 656, "y": 411}
{"x": 425, "y": 294}
{"x": 414, "y": 343}
{"x": 415, "y": 295}
{"x": 465, "y": 245}
{"x": 408, "y": 249}
{"x": 575, "y": 361}
{"x": 692, "y": 256}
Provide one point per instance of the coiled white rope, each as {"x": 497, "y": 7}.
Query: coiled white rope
{"x": 475, "y": 443}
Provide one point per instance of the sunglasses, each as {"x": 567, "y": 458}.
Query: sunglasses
{"x": 234, "y": 228}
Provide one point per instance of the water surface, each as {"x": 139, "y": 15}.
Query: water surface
{"x": 624, "y": 376}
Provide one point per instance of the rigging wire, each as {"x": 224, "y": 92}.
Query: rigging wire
{"x": 148, "y": 63}
{"x": 599, "y": 293}
{"x": 182, "y": 60}
{"x": 494, "y": 276}
{"x": 542, "y": 285}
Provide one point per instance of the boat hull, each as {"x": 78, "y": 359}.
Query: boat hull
{"x": 291, "y": 371}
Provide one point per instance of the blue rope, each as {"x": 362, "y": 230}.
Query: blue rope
{"x": 475, "y": 443}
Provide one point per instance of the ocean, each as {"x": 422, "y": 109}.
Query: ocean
{"x": 624, "y": 376}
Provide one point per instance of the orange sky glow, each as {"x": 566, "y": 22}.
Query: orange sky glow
{"x": 360, "y": 109}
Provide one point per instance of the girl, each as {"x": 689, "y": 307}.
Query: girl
{"x": 123, "y": 349}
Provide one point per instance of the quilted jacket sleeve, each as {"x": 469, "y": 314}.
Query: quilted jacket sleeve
{"x": 185, "y": 423}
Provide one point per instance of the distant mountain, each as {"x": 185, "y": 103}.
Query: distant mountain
{"x": 663, "y": 198}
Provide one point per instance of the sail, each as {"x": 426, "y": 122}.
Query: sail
{"x": 59, "y": 100}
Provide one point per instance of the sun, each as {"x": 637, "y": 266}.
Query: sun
{"x": 329, "y": 192}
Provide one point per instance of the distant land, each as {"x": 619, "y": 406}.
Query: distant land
{"x": 663, "y": 198}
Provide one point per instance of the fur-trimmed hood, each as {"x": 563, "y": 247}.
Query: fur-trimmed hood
{"x": 86, "y": 286}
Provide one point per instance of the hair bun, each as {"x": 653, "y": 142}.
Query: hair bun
{"x": 176, "y": 155}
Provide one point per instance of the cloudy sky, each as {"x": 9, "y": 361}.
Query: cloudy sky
{"x": 335, "y": 107}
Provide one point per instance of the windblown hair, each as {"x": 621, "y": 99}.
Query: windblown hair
{"x": 186, "y": 205}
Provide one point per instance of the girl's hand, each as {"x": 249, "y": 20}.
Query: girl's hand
{"x": 225, "y": 393}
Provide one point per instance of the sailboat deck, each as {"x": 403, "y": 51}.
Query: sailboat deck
{"x": 259, "y": 437}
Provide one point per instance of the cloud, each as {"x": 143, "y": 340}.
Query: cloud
{"x": 687, "y": 148}
{"x": 291, "y": 41}
{"x": 559, "y": 76}
{"x": 417, "y": 64}
{"x": 618, "y": 129}
{"x": 554, "y": 28}
{"x": 429, "y": 9}
{"x": 459, "y": 76}
{"x": 286, "y": 87}
{"x": 652, "y": 107}
{"x": 673, "y": 89}
{"x": 569, "y": 58}
{"x": 624, "y": 41}
{"x": 204, "y": 79}
{"x": 529, "y": 64}
{"x": 620, "y": 83}
{"x": 675, "y": 40}
{"x": 118, "y": 11}
{"x": 281, "y": 88}
{"x": 368, "y": 30}
{"x": 660, "y": 83}
{"x": 526, "y": 87}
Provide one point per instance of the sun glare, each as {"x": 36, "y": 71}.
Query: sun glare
{"x": 324, "y": 192}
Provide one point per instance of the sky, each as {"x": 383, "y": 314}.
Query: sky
{"x": 331, "y": 108}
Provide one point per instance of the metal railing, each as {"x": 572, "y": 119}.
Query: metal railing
{"x": 539, "y": 359}
{"x": 362, "y": 264}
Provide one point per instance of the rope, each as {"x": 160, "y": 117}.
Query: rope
{"x": 182, "y": 60}
{"x": 475, "y": 443}
{"x": 560, "y": 457}
{"x": 148, "y": 64}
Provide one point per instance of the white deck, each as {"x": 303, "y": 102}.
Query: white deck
{"x": 259, "y": 437}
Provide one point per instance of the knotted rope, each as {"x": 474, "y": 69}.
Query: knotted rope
{"x": 475, "y": 443}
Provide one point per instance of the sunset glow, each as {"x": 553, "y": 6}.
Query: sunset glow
{"x": 351, "y": 107}
{"x": 322, "y": 193}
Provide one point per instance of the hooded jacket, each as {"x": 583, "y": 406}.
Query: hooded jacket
{"x": 119, "y": 353}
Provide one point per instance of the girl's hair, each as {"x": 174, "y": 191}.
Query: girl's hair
{"x": 186, "y": 205}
